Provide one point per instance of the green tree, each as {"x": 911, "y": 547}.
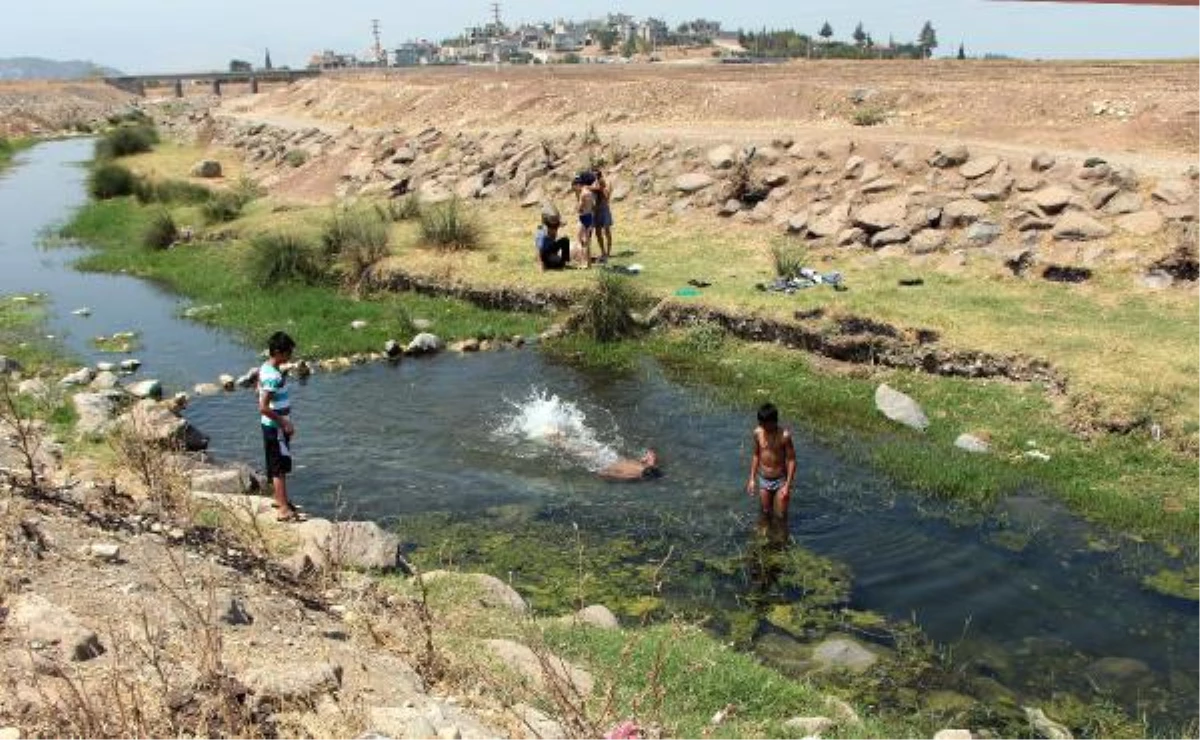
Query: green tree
{"x": 606, "y": 38}
{"x": 826, "y": 31}
{"x": 928, "y": 39}
{"x": 860, "y": 36}
{"x": 962, "y": 53}
{"x": 629, "y": 48}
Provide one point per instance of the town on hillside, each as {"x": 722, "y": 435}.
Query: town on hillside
{"x": 619, "y": 38}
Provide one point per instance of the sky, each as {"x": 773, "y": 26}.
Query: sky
{"x": 145, "y": 36}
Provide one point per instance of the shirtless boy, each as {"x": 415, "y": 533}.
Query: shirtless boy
{"x": 773, "y": 466}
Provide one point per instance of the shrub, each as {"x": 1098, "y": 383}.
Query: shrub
{"x": 110, "y": 180}
{"x": 868, "y": 117}
{"x": 284, "y": 258}
{"x": 161, "y": 232}
{"x": 171, "y": 191}
{"x": 357, "y": 239}
{"x": 404, "y": 208}
{"x": 222, "y": 207}
{"x": 450, "y": 226}
{"x": 125, "y": 140}
{"x": 606, "y": 314}
{"x": 788, "y": 260}
{"x": 296, "y": 157}
{"x": 246, "y": 189}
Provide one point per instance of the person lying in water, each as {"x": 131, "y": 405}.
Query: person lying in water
{"x": 626, "y": 469}
{"x": 622, "y": 469}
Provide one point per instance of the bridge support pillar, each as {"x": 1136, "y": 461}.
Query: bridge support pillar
{"x": 216, "y": 88}
{"x": 179, "y": 88}
{"x": 254, "y": 86}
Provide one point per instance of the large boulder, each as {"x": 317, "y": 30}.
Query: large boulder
{"x": 206, "y": 168}
{"x": 278, "y": 683}
{"x": 155, "y": 423}
{"x": 951, "y": 155}
{"x": 533, "y": 667}
{"x": 1052, "y": 199}
{"x": 979, "y": 167}
{"x": 900, "y": 408}
{"x": 842, "y": 653}
{"x": 721, "y": 157}
{"x": 1142, "y": 223}
{"x": 96, "y": 412}
{"x": 963, "y": 212}
{"x": 692, "y": 182}
{"x": 38, "y": 620}
{"x": 882, "y": 215}
{"x": 492, "y": 591}
{"x": 1076, "y": 226}
{"x": 349, "y": 544}
{"x": 1172, "y": 192}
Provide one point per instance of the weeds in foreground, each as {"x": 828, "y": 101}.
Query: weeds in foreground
{"x": 171, "y": 191}
{"x": 356, "y": 240}
{"x": 111, "y": 180}
{"x": 126, "y": 139}
{"x": 275, "y": 259}
{"x": 788, "y": 260}
{"x": 869, "y": 116}
{"x": 155, "y": 467}
{"x": 19, "y": 420}
{"x": 161, "y": 232}
{"x": 405, "y": 208}
{"x": 222, "y": 208}
{"x": 607, "y": 311}
{"x": 450, "y": 226}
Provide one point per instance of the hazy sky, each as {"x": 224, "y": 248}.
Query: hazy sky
{"x": 182, "y": 35}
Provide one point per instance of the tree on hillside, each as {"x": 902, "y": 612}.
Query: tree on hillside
{"x": 860, "y": 36}
{"x": 928, "y": 39}
{"x": 826, "y": 31}
{"x": 962, "y": 53}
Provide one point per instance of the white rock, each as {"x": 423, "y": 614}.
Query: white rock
{"x": 358, "y": 324}
{"x": 900, "y": 408}
{"x": 105, "y": 551}
{"x": 971, "y": 443}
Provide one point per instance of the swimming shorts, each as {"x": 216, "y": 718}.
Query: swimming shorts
{"x": 585, "y": 220}
{"x": 603, "y": 216}
{"x": 650, "y": 472}
{"x": 278, "y": 455}
{"x": 771, "y": 485}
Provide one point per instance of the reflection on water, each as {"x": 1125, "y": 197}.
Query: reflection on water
{"x": 470, "y": 437}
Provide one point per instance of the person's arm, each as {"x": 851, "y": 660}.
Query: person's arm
{"x": 264, "y": 408}
{"x": 789, "y": 452}
{"x": 750, "y": 482}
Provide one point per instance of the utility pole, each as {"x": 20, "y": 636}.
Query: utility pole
{"x": 496, "y": 16}
{"x": 380, "y": 59}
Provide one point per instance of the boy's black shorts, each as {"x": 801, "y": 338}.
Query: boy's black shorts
{"x": 278, "y": 464}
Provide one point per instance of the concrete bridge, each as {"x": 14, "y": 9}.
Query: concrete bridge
{"x": 137, "y": 84}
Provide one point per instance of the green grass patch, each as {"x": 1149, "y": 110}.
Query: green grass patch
{"x": 10, "y": 147}
{"x": 110, "y": 180}
{"x": 23, "y": 335}
{"x": 699, "y": 676}
{"x": 318, "y": 316}
{"x": 126, "y": 139}
{"x": 450, "y": 226}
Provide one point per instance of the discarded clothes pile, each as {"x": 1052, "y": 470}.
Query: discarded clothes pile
{"x": 808, "y": 278}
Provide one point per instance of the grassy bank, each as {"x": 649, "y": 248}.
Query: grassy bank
{"x": 1128, "y": 482}
{"x": 9, "y": 149}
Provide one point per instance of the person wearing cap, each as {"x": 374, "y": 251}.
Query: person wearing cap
{"x": 554, "y": 252}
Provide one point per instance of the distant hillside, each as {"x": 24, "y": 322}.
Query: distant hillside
{"x": 34, "y": 68}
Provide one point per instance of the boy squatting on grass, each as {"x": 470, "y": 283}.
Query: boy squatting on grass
{"x": 773, "y": 465}
{"x": 274, "y": 409}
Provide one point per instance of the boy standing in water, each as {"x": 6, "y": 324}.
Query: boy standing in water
{"x": 773, "y": 465}
{"x": 274, "y": 409}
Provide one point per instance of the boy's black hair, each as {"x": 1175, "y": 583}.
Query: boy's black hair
{"x": 280, "y": 342}
{"x": 768, "y": 414}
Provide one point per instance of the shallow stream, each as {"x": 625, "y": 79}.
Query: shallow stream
{"x": 1030, "y": 597}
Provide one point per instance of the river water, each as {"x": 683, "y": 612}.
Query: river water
{"x": 467, "y": 436}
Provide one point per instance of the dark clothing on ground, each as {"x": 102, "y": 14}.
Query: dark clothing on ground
{"x": 554, "y": 254}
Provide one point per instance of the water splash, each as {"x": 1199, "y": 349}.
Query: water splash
{"x": 553, "y": 425}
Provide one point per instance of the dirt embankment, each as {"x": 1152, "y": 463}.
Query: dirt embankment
{"x": 45, "y": 108}
{"x": 1099, "y": 108}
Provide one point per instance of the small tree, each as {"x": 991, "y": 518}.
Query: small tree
{"x": 962, "y": 53}
{"x": 860, "y": 36}
{"x": 826, "y": 32}
{"x": 928, "y": 39}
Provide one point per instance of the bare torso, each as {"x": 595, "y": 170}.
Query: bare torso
{"x": 772, "y": 451}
